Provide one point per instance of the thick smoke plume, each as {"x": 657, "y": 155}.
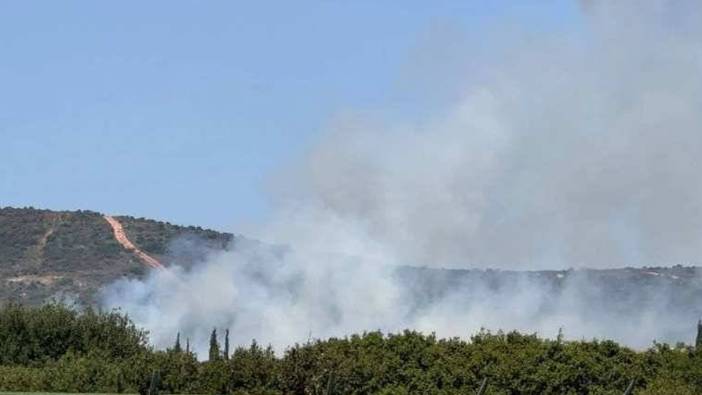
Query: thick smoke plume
{"x": 581, "y": 150}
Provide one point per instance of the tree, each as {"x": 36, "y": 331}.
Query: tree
{"x": 214, "y": 346}
{"x": 226, "y": 344}
{"x": 698, "y": 341}
{"x": 177, "y": 348}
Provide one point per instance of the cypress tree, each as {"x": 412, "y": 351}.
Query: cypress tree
{"x": 226, "y": 344}
{"x": 177, "y": 348}
{"x": 214, "y": 346}
{"x": 187, "y": 345}
{"x": 698, "y": 341}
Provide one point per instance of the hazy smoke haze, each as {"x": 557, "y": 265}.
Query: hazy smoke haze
{"x": 574, "y": 151}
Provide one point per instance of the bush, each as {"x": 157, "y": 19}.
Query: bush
{"x": 53, "y": 348}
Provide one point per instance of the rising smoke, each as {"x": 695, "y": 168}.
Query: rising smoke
{"x": 573, "y": 151}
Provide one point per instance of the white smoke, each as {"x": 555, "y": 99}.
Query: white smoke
{"x": 577, "y": 151}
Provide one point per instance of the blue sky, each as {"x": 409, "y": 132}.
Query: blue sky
{"x": 179, "y": 110}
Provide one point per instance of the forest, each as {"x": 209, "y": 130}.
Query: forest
{"x": 54, "y": 348}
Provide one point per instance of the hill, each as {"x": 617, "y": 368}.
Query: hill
{"x": 69, "y": 254}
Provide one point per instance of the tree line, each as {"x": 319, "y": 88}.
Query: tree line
{"x": 53, "y": 348}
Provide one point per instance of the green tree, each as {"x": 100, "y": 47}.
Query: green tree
{"x": 214, "y": 346}
{"x": 177, "y": 348}
{"x": 226, "y": 344}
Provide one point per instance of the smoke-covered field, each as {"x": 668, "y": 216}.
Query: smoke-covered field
{"x": 576, "y": 150}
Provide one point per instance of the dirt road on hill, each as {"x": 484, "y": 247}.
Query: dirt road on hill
{"x": 121, "y": 237}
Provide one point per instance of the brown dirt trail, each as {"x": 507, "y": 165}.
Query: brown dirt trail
{"x": 122, "y": 238}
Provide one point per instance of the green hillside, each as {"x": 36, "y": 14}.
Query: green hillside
{"x": 69, "y": 254}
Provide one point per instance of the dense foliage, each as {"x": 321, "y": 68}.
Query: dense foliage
{"x": 54, "y": 348}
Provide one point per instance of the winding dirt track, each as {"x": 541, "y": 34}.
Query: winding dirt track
{"x": 121, "y": 237}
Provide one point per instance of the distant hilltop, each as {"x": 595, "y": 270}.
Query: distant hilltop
{"x": 70, "y": 254}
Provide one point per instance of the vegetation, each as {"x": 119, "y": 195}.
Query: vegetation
{"x": 44, "y": 254}
{"x": 55, "y": 349}
{"x": 53, "y": 254}
{"x": 156, "y": 237}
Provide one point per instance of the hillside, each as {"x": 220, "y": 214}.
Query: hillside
{"x": 60, "y": 254}
{"x": 70, "y": 254}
